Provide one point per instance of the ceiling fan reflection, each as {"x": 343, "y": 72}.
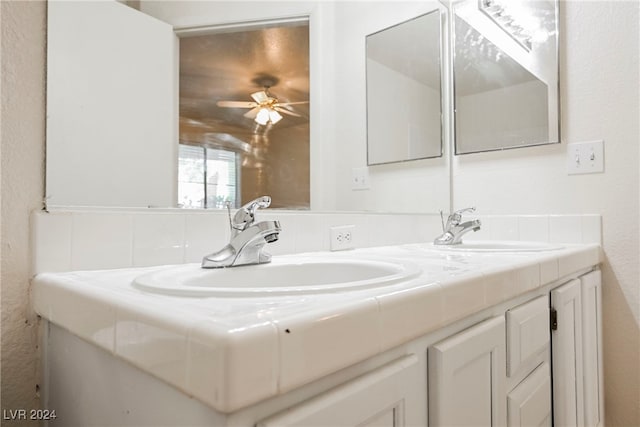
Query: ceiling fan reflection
{"x": 265, "y": 108}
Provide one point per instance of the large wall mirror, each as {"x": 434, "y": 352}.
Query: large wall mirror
{"x": 177, "y": 104}
{"x": 404, "y": 97}
{"x": 505, "y": 74}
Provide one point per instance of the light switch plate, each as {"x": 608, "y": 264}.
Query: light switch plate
{"x": 360, "y": 178}
{"x": 585, "y": 157}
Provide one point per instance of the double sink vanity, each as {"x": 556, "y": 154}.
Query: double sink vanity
{"x": 413, "y": 334}
{"x": 454, "y": 332}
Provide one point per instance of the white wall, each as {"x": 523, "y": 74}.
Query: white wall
{"x": 22, "y": 83}
{"x": 600, "y": 100}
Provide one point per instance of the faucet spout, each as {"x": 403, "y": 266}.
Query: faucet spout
{"x": 246, "y": 247}
{"x": 248, "y": 239}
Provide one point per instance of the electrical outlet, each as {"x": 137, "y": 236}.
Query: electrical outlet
{"x": 360, "y": 179}
{"x": 342, "y": 237}
{"x": 585, "y": 157}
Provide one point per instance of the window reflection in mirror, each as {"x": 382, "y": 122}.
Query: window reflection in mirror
{"x": 505, "y": 75}
{"x": 244, "y": 116}
{"x": 208, "y": 178}
{"x": 404, "y": 91}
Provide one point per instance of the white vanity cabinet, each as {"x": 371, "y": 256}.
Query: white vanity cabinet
{"x": 495, "y": 373}
{"x": 474, "y": 379}
{"x": 533, "y": 360}
{"x": 577, "y": 352}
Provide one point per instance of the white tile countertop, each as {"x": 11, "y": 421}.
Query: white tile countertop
{"x": 231, "y": 352}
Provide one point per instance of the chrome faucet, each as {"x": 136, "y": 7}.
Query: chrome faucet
{"x": 455, "y": 229}
{"x": 247, "y": 238}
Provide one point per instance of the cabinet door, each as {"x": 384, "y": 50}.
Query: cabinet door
{"x": 386, "y": 397}
{"x": 592, "y": 348}
{"x": 529, "y": 404}
{"x": 566, "y": 345}
{"x": 467, "y": 377}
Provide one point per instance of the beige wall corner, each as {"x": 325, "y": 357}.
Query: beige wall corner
{"x": 22, "y": 132}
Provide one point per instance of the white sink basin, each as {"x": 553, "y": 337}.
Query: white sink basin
{"x": 500, "y": 246}
{"x": 286, "y": 275}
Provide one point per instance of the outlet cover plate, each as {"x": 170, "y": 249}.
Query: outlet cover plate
{"x": 342, "y": 237}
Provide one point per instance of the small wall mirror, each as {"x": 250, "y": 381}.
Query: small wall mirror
{"x": 505, "y": 74}
{"x": 404, "y": 102}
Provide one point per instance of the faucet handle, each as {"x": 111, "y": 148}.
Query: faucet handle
{"x": 247, "y": 213}
{"x": 465, "y": 210}
{"x": 456, "y": 217}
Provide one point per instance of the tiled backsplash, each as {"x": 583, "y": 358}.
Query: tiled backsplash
{"x": 540, "y": 228}
{"x": 67, "y": 240}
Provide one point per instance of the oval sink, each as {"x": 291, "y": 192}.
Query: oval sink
{"x": 500, "y": 246}
{"x": 283, "y": 276}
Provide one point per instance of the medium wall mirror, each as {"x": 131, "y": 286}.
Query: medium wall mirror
{"x": 404, "y": 96}
{"x": 505, "y": 72}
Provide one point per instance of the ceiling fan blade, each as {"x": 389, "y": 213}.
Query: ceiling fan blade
{"x": 252, "y": 113}
{"x": 285, "y": 111}
{"x": 260, "y": 97}
{"x": 293, "y": 103}
{"x": 236, "y": 104}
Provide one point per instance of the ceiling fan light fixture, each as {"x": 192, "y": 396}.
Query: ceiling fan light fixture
{"x": 263, "y": 116}
{"x": 267, "y": 115}
{"x": 274, "y": 116}
{"x": 264, "y": 109}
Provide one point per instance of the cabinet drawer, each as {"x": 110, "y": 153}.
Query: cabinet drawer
{"x": 528, "y": 333}
{"x": 529, "y": 404}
